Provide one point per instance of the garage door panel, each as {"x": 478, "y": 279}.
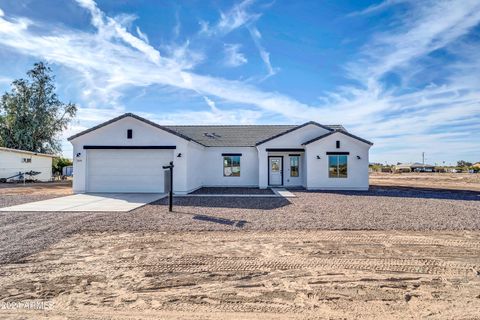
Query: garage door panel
{"x": 125, "y": 184}
{"x": 126, "y": 170}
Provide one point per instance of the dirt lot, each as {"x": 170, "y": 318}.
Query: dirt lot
{"x": 454, "y": 181}
{"x": 238, "y": 275}
{"x": 416, "y": 255}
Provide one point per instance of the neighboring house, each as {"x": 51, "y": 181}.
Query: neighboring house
{"x": 67, "y": 171}
{"x": 476, "y": 165}
{"x": 13, "y": 162}
{"x": 126, "y": 154}
{"x": 414, "y": 167}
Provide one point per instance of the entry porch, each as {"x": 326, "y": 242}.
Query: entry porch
{"x": 282, "y": 167}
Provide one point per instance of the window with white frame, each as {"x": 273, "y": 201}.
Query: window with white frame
{"x": 294, "y": 166}
{"x": 337, "y": 166}
{"x": 26, "y": 160}
{"x": 231, "y": 166}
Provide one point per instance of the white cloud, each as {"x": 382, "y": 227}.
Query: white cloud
{"x": 109, "y": 27}
{"x": 378, "y": 7}
{"x": 142, "y": 35}
{"x": 210, "y": 103}
{"x": 5, "y": 80}
{"x": 238, "y": 16}
{"x": 264, "y": 54}
{"x": 402, "y": 123}
{"x": 182, "y": 58}
{"x": 233, "y": 56}
{"x": 427, "y": 27}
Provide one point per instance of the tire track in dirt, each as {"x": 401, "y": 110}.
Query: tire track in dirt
{"x": 290, "y": 274}
{"x": 201, "y": 264}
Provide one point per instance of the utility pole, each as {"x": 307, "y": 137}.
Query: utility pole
{"x": 423, "y": 158}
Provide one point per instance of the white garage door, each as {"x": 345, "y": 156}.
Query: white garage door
{"x": 124, "y": 170}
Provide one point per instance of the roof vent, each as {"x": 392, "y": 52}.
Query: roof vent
{"x": 212, "y": 135}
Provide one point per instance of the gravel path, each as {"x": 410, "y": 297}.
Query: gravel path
{"x": 378, "y": 209}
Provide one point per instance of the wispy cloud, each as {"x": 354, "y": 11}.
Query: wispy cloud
{"x": 377, "y": 7}
{"x": 142, "y": 35}
{"x": 233, "y": 56}
{"x": 402, "y": 120}
{"x": 238, "y": 16}
{"x": 264, "y": 54}
{"x": 107, "y": 65}
{"x": 178, "y": 25}
{"x": 112, "y": 28}
{"x": 409, "y": 117}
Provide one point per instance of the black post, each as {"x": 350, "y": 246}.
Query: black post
{"x": 170, "y": 194}
{"x": 171, "y": 188}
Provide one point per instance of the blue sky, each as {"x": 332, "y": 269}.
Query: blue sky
{"x": 403, "y": 74}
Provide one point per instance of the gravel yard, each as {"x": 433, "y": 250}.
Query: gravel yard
{"x": 381, "y": 208}
{"x": 232, "y": 190}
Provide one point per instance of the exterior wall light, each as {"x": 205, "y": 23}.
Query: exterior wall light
{"x": 179, "y": 155}
{"x": 318, "y": 157}
{"x": 358, "y": 157}
{"x": 78, "y": 155}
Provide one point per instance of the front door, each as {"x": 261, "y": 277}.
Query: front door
{"x": 275, "y": 171}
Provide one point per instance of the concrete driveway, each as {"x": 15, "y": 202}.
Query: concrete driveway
{"x": 91, "y": 202}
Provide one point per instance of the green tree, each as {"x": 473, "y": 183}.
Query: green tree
{"x": 463, "y": 163}
{"x": 59, "y": 163}
{"x": 31, "y": 115}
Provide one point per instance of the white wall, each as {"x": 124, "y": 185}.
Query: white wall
{"x": 115, "y": 134}
{"x": 357, "y": 174}
{"x": 195, "y": 166}
{"x": 11, "y": 164}
{"x": 212, "y": 167}
{"x": 290, "y": 140}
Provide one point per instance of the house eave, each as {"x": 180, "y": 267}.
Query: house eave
{"x": 293, "y": 129}
{"x": 125, "y": 115}
{"x": 337, "y": 131}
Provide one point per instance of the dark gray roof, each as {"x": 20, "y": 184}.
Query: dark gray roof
{"x": 335, "y": 131}
{"x": 235, "y": 135}
{"x": 230, "y": 136}
{"x": 219, "y": 135}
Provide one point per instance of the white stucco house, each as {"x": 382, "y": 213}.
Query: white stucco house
{"x": 14, "y": 161}
{"x": 126, "y": 154}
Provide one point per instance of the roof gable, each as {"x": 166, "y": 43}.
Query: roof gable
{"x": 293, "y": 129}
{"x": 101, "y": 125}
{"x": 337, "y": 131}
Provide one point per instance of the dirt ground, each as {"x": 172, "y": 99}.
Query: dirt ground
{"x": 453, "y": 181}
{"x": 241, "y": 258}
{"x": 240, "y": 275}
{"x": 50, "y": 188}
